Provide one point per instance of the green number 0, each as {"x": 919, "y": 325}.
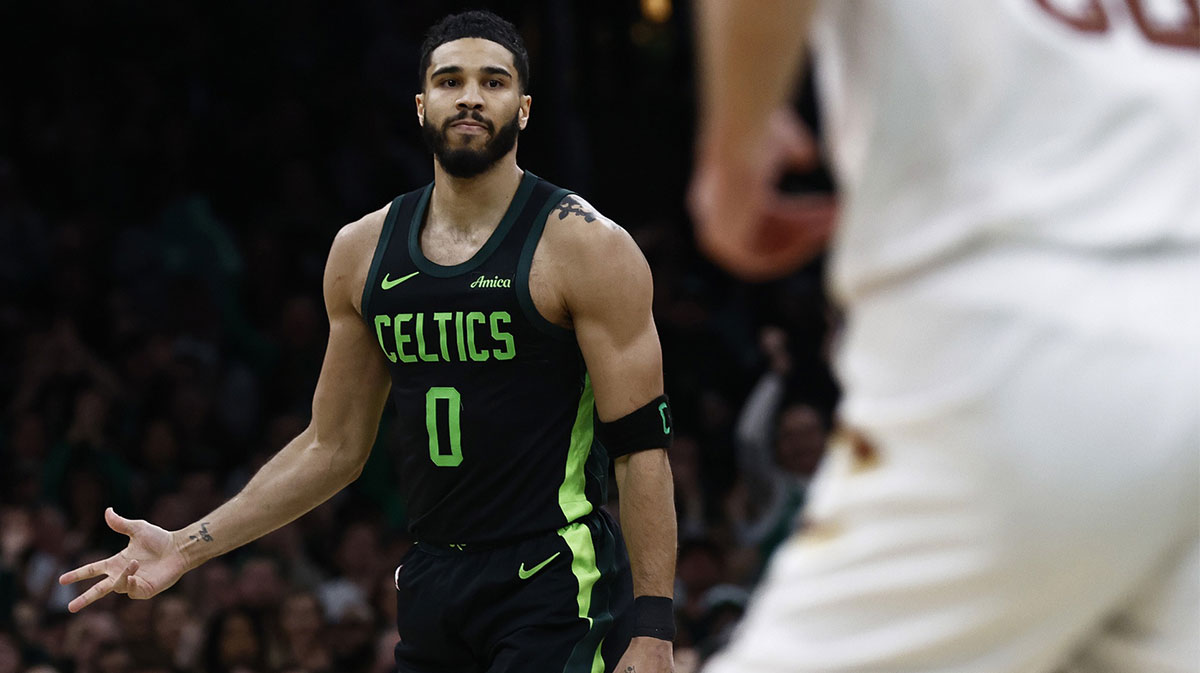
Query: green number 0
{"x": 454, "y": 459}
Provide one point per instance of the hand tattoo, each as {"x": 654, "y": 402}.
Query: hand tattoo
{"x": 203, "y": 533}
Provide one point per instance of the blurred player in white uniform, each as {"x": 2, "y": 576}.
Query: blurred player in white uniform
{"x": 1018, "y": 253}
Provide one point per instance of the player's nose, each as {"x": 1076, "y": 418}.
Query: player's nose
{"x": 470, "y": 97}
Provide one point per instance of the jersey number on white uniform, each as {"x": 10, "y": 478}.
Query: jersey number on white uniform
{"x": 1177, "y": 26}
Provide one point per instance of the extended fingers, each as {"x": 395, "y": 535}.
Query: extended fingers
{"x": 118, "y": 524}
{"x": 118, "y": 583}
{"x": 86, "y": 572}
{"x": 99, "y": 590}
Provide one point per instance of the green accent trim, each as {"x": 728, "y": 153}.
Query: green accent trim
{"x": 385, "y": 236}
{"x": 572, "y": 494}
{"x": 583, "y": 565}
{"x": 437, "y": 270}
{"x": 598, "y": 660}
{"x": 524, "y": 298}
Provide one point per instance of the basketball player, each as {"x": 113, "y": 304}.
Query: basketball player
{"x": 1019, "y": 257}
{"x": 511, "y": 323}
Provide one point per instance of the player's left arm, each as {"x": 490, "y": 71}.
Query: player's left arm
{"x": 607, "y": 290}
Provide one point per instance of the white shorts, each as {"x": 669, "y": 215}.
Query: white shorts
{"x": 1034, "y": 503}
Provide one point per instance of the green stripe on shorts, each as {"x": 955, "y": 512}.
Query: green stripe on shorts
{"x": 572, "y": 493}
{"x": 583, "y": 564}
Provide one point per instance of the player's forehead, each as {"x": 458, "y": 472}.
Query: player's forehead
{"x": 471, "y": 54}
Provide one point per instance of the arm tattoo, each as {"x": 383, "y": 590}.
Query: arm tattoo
{"x": 573, "y": 205}
{"x": 203, "y": 533}
{"x": 630, "y": 669}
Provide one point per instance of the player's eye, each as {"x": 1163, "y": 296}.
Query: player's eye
{"x": 450, "y": 83}
{"x": 494, "y": 83}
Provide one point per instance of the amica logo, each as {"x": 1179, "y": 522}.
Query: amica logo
{"x": 494, "y": 281}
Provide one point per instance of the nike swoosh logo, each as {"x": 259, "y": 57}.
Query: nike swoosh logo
{"x": 526, "y": 574}
{"x": 389, "y": 284}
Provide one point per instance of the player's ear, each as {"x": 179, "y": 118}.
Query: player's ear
{"x": 523, "y": 113}
{"x": 420, "y": 100}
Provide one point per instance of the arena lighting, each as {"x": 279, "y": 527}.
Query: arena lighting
{"x": 656, "y": 11}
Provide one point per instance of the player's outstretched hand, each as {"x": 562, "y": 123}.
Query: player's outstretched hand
{"x": 743, "y": 222}
{"x": 148, "y": 565}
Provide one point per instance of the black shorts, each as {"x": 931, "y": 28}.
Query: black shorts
{"x": 557, "y": 602}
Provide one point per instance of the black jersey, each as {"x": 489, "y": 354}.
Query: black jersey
{"x": 496, "y": 414}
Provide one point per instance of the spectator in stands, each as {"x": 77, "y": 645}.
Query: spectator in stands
{"x": 235, "y": 639}
{"x": 302, "y": 626}
{"x": 778, "y": 449}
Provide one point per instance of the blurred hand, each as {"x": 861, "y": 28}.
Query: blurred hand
{"x": 743, "y": 222}
{"x": 647, "y": 655}
{"x": 149, "y": 564}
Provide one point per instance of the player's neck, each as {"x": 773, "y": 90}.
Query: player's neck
{"x": 466, "y": 203}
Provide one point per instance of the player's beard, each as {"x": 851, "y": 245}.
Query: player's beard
{"x": 467, "y": 162}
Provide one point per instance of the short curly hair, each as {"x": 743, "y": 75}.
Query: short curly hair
{"x": 481, "y": 24}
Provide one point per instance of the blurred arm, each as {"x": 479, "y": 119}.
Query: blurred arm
{"x": 750, "y": 56}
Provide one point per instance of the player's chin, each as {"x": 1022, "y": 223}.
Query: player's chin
{"x": 465, "y": 142}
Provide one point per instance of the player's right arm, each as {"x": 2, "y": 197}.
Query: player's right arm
{"x": 323, "y": 459}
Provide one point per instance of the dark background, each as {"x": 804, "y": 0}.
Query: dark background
{"x": 171, "y": 177}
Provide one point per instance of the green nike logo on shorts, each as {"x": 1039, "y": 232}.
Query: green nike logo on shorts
{"x": 526, "y": 574}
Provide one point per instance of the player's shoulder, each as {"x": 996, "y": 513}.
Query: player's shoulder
{"x": 579, "y": 234}
{"x": 362, "y": 233}
{"x": 594, "y": 258}
{"x": 351, "y": 253}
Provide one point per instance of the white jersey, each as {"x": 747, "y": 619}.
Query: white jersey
{"x": 1019, "y": 254}
{"x": 1069, "y": 125}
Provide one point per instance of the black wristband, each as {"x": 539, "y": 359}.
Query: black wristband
{"x": 653, "y": 617}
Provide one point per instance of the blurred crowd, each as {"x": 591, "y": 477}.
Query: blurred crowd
{"x": 171, "y": 178}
